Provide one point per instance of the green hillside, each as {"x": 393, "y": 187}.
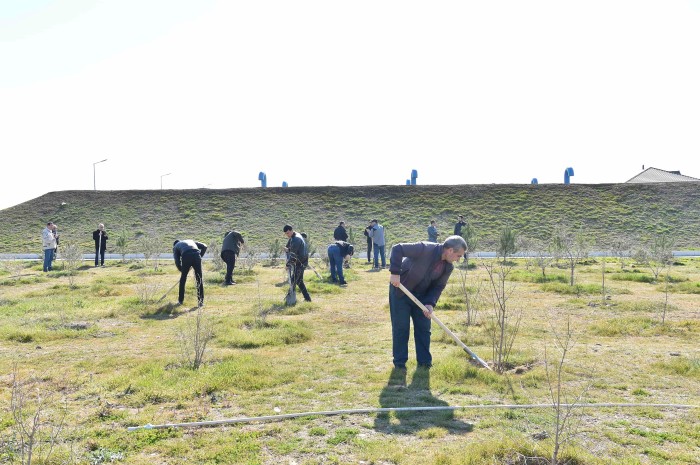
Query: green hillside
{"x": 606, "y": 211}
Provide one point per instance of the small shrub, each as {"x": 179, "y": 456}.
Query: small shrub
{"x": 194, "y": 338}
{"x": 146, "y": 291}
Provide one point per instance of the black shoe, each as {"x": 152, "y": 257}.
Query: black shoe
{"x": 343, "y": 283}
{"x": 307, "y": 299}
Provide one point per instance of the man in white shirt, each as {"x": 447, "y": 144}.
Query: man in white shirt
{"x": 49, "y": 245}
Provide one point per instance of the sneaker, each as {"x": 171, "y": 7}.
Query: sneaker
{"x": 200, "y": 304}
{"x": 343, "y": 283}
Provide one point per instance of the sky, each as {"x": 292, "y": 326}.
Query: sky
{"x": 208, "y": 94}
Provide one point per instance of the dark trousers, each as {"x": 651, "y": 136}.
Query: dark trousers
{"x": 99, "y": 254}
{"x": 403, "y": 310}
{"x": 192, "y": 260}
{"x": 229, "y": 257}
{"x": 298, "y": 279}
{"x": 369, "y": 250}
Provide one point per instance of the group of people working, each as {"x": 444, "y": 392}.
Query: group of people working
{"x": 423, "y": 268}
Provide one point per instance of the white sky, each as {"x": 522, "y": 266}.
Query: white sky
{"x": 343, "y": 92}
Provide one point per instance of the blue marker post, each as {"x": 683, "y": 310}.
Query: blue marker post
{"x": 567, "y": 175}
{"x": 262, "y": 177}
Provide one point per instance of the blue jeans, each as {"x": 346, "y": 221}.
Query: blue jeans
{"x": 48, "y": 258}
{"x": 402, "y": 311}
{"x": 379, "y": 249}
{"x": 336, "y": 261}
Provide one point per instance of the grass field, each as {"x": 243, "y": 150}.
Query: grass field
{"x": 115, "y": 362}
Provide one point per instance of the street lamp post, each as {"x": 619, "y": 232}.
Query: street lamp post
{"x": 94, "y": 179}
{"x": 161, "y": 179}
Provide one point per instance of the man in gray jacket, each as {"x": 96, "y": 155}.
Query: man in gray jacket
{"x": 423, "y": 268}
{"x": 432, "y": 231}
{"x": 230, "y": 249}
{"x": 376, "y": 232}
{"x": 298, "y": 259}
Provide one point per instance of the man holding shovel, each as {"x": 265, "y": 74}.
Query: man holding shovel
{"x": 188, "y": 254}
{"x": 423, "y": 268}
{"x": 230, "y": 249}
{"x": 298, "y": 259}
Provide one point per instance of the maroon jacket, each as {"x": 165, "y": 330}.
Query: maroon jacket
{"x": 422, "y": 269}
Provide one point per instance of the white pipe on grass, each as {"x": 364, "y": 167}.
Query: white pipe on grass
{"x": 399, "y": 409}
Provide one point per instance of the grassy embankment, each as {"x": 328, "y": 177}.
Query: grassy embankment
{"x": 606, "y": 212}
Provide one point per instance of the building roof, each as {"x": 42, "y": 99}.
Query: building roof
{"x": 656, "y": 175}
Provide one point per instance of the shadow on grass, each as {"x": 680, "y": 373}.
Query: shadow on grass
{"x": 416, "y": 394}
{"x": 168, "y": 312}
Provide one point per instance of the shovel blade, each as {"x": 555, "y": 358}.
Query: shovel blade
{"x": 290, "y": 299}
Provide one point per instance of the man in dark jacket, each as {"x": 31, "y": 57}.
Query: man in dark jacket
{"x": 369, "y": 242}
{"x": 337, "y": 253}
{"x": 423, "y": 268}
{"x": 340, "y": 233}
{"x": 100, "y": 238}
{"x": 298, "y": 259}
{"x": 459, "y": 225}
{"x": 230, "y": 249}
{"x": 188, "y": 254}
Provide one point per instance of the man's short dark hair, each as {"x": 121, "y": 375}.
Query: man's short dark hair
{"x": 287, "y": 227}
{"x": 176, "y": 241}
{"x": 374, "y": 221}
{"x": 341, "y": 223}
{"x": 460, "y": 216}
{"x": 49, "y": 223}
